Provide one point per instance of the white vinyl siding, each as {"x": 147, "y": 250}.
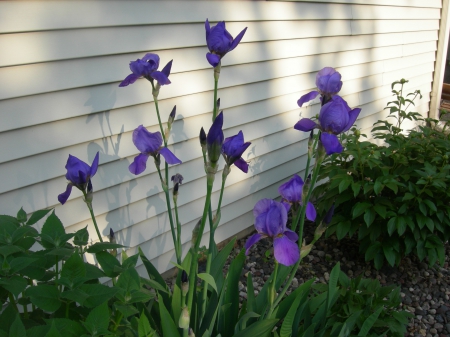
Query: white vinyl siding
{"x": 61, "y": 63}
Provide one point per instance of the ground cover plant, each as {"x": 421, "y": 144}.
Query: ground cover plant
{"x": 47, "y": 288}
{"x": 393, "y": 196}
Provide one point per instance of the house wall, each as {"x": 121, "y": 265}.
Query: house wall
{"x": 61, "y": 63}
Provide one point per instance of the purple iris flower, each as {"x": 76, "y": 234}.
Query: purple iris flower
{"x": 220, "y": 42}
{"x": 214, "y": 139}
{"x": 291, "y": 192}
{"x": 329, "y": 83}
{"x": 232, "y": 150}
{"x": 78, "y": 174}
{"x": 270, "y": 221}
{"x": 335, "y": 117}
{"x": 147, "y": 67}
{"x": 149, "y": 144}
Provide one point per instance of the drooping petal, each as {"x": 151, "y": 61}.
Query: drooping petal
{"x": 145, "y": 141}
{"x": 310, "y": 212}
{"x": 241, "y": 164}
{"x": 169, "y": 156}
{"x": 94, "y": 165}
{"x": 62, "y": 198}
{"x": 291, "y": 235}
{"x": 292, "y": 189}
{"x": 237, "y": 39}
{"x": 352, "y": 116}
{"x": 331, "y": 143}
{"x": 130, "y": 79}
{"x": 139, "y": 164}
{"x": 307, "y": 97}
{"x": 213, "y": 59}
{"x": 160, "y": 77}
{"x": 305, "y": 124}
{"x": 251, "y": 241}
{"x": 329, "y": 215}
{"x": 286, "y": 252}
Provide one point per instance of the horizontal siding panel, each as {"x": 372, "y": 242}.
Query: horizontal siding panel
{"x": 410, "y": 3}
{"x": 119, "y": 145}
{"x": 365, "y": 12}
{"x": 67, "y": 74}
{"x": 37, "y": 16}
{"x": 34, "y": 47}
{"x": 389, "y": 26}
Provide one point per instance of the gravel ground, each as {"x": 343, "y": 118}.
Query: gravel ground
{"x": 425, "y": 291}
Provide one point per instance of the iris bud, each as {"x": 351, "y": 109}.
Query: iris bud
{"x": 184, "y": 320}
{"x": 214, "y": 140}
{"x": 202, "y": 137}
{"x": 191, "y": 333}
{"x": 184, "y": 283}
{"x": 171, "y": 117}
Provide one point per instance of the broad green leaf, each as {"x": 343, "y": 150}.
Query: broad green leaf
{"x": 102, "y": 247}
{"x": 108, "y": 263}
{"x": 8, "y": 250}
{"x": 17, "y": 328}
{"x": 332, "y": 283}
{"x": 15, "y": 285}
{"x": 130, "y": 262}
{"x": 98, "y": 294}
{"x": 258, "y": 329}
{"x": 380, "y": 209}
{"x": 53, "y": 332}
{"x": 401, "y": 225}
{"x": 67, "y": 327}
{"x": 408, "y": 196}
{"x": 20, "y": 263}
{"x": 392, "y": 225}
{"x": 342, "y": 229}
{"x": 73, "y": 268}
{"x": 286, "y": 327}
{"x": 369, "y": 322}
{"x": 44, "y": 296}
{"x": 129, "y": 280}
{"x": 430, "y": 205}
{"x": 389, "y": 254}
{"x": 359, "y": 208}
{"x": 98, "y": 319}
{"x": 168, "y": 326}
{"x": 144, "y": 328}
{"x": 81, "y": 237}
{"x": 54, "y": 229}
{"x": 369, "y": 216}
{"x": 127, "y": 310}
{"x": 36, "y": 216}
{"x": 208, "y": 279}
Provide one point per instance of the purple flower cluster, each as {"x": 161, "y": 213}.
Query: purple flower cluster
{"x": 147, "y": 67}
{"x": 220, "y": 42}
{"x": 335, "y": 115}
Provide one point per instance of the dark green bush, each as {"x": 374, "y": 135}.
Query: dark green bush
{"x": 393, "y": 196}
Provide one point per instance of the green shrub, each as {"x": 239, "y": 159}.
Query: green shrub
{"x": 394, "y": 196}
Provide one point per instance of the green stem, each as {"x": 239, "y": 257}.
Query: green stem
{"x": 91, "y": 211}
{"x": 178, "y": 231}
{"x": 216, "y": 81}
{"x": 13, "y": 301}
{"x": 194, "y": 262}
{"x": 169, "y": 211}
{"x": 117, "y": 321}
{"x": 272, "y": 292}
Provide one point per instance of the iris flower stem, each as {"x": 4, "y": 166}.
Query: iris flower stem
{"x": 89, "y": 206}
{"x": 308, "y": 162}
{"x": 12, "y": 301}
{"x": 300, "y": 216}
{"x": 194, "y": 262}
{"x": 175, "y": 205}
{"x": 272, "y": 292}
{"x": 216, "y": 82}
{"x": 169, "y": 211}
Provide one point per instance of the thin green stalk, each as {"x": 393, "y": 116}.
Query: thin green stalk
{"x": 67, "y": 309}
{"x": 308, "y": 162}
{"x": 178, "y": 229}
{"x": 216, "y": 81}
{"x": 272, "y": 292}
{"x": 91, "y": 211}
{"x": 25, "y": 309}
{"x": 169, "y": 211}
{"x": 194, "y": 262}
{"x": 117, "y": 321}
{"x": 12, "y": 301}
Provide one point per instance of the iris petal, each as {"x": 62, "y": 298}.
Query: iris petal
{"x": 352, "y": 116}
{"x": 310, "y": 212}
{"x": 237, "y": 39}
{"x": 145, "y": 141}
{"x": 169, "y": 156}
{"x": 286, "y": 252}
{"x": 307, "y": 97}
{"x": 130, "y": 79}
{"x": 139, "y": 164}
{"x": 213, "y": 59}
{"x": 160, "y": 77}
{"x": 94, "y": 166}
{"x": 305, "y": 124}
{"x": 62, "y": 198}
{"x": 251, "y": 241}
{"x": 330, "y": 143}
{"x": 242, "y": 165}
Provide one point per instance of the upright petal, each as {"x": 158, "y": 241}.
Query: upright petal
{"x": 305, "y": 124}
{"x": 94, "y": 165}
{"x": 331, "y": 143}
{"x": 139, "y": 164}
{"x": 307, "y": 97}
{"x": 261, "y": 207}
{"x": 237, "y": 39}
{"x": 213, "y": 59}
{"x": 207, "y": 28}
{"x": 62, "y": 198}
{"x": 130, "y": 79}
{"x": 241, "y": 164}
{"x": 167, "y": 68}
{"x": 276, "y": 219}
{"x": 251, "y": 241}
{"x": 74, "y": 166}
{"x": 160, "y": 77}
{"x": 145, "y": 141}
{"x": 291, "y": 190}
{"x": 169, "y": 156}
{"x": 352, "y": 116}
{"x": 286, "y": 252}
{"x": 310, "y": 212}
